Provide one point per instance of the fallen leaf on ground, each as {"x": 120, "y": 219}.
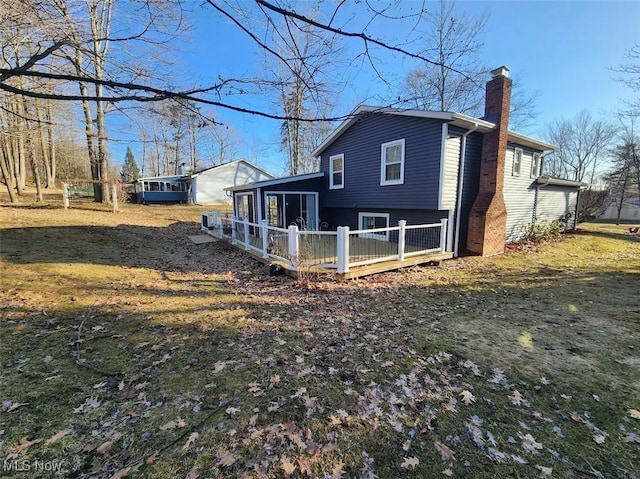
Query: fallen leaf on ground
{"x": 105, "y": 447}
{"x": 225, "y": 458}
{"x": 529, "y": 443}
{"x": 634, "y": 413}
{"x": 516, "y": 398}
{"x": 288, "y": 466}
{"x": 446, "y": 454}
{"x": 337, "y": 472}
{"x": 193, "y": 473}
{"x": 545, "y": 472}
{"x": 219, "y": 366}
{"x": 192, "y": 438}
{"x": 57, "y": 436}
{"x": 176, "y": 424}
{"x": 410, "y": 462}
{"x": 121, "y": 473}
{"x": 24, "y": 444}
{"x": 152, "y": 458}
{"x": 467, "y": 397}
{"x": 88, "y": 405}
{"x": 599, "y": 438}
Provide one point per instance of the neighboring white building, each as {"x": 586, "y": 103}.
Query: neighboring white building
{"x": 207, "y": 186}
{"x": 630, "y": 210}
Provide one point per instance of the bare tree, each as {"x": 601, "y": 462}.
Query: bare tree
{"x": 630, "y": 76}
{"x": 622, "y": 176}
{"x": 303, "y": 72}
{"x": 456, "y": 82}
{"x": 631, "y": 140}
{"x": 81, "y": 36}
{"x": 335, "y": 22}
{"x": 581, "y": 142}
{"x": 221, "y": 144}
{"x": 454, "y": 40}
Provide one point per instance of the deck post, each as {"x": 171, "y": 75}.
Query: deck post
{"x": 233, "y": 229}
{"x": 343, "y": 249}
{"x": 401, "y": 239}
{"x": 293, "y": 246}
{"x": 443, "y": 234}
{"x": 245, "y": 224}
{"x": 264, "y": 233}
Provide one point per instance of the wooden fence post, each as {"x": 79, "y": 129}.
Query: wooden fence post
{"x": 114, "y": 197}
{"x": 65, "y": 195}
{"x": 401, "y": 239}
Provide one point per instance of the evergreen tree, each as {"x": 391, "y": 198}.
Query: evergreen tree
{"x": 130, "y": 171}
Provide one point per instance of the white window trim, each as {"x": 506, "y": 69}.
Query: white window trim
{"x": 383, "y": 170}
{"x": 536, "y": 165}
{"x": 332, "y": 185}
{"x": 250, "y": 197}
{"x": 517, "y": 172}
{"x": 379, "y": 236}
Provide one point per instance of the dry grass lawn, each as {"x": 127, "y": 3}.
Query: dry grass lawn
{"x": 128, "y": 351}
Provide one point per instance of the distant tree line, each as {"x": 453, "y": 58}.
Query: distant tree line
{"x": 63, "y": 61}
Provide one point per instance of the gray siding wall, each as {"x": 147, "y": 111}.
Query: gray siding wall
{"x": 519, "y": 193}
{"x": 361, "y": 146}
{"x": 555, "y": 202}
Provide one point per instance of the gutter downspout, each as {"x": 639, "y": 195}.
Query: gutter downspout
{"x": 463, "y": 154}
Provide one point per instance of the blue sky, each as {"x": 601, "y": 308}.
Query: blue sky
{"x": 562, "y": 50}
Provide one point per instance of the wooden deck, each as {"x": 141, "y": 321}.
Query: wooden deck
{"x": 355, "y": 271}
{"x": 355, "y": 255}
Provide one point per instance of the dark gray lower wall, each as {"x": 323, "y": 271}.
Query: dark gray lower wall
{"x": 335, "y": 217}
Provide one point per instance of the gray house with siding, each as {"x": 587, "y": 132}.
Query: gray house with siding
{"x": 384, "y": 165}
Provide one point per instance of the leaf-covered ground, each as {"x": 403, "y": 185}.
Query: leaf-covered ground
{"x": 128, "y": 351}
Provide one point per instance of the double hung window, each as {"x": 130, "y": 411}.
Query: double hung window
{"x": 336, "y": 172}
{"x": 392, "y": 164}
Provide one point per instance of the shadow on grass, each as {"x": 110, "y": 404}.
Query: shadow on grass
{"x": 621, "y": 233}
{"x": 166, "y": 249}
{"x": 290, "y": 355}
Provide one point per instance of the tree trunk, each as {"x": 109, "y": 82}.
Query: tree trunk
{"x": 36, "y": 178}
{"x": 7, "y": 176}
{"x": 50, "y": 166}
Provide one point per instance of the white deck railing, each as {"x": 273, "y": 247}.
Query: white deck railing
{"x": 340, "y": 250}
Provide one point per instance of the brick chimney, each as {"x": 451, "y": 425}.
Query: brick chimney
{"x": 488, "y": 216}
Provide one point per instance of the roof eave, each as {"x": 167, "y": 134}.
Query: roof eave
{"x": 276, "y": 181}
{"x": 554, "y": 181}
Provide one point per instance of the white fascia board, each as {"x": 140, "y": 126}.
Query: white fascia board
{"x": 288, "y": 179}
{"x": 529, "y": 142}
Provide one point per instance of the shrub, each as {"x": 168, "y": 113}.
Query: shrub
{"x": 543, "y": 230}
